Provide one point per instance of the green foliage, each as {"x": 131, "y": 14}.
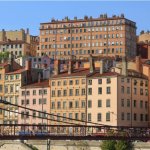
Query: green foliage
{"x": 4, "y": 55}
{"x": 108, "y": 145}
{"x": 121, "y": 145}
{"x": 116, "y": 145}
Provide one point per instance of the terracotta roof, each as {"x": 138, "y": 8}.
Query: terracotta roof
{"x": 97, "y": 74}
{"x": 12, "y": 42}
{"x": 3, "y": 64}
{"x": 44, "y": 83}
{"x": 76, "y": 72}
{"x": 16, "y": 71}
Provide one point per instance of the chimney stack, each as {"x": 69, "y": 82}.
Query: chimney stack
{"x": 77, "y": 65}
{"x": 56, "y": 67}
{"x": 92, "y": 66}
{"x": 28, "y": 65}
{"x": 124, "y": 67}
{"x": 39, "y": 77}
{"x": 101, "y": 71}
{"x": 138, "y": 64}
{"x": 10, "y": 61}
{"x": 70, "y": 65}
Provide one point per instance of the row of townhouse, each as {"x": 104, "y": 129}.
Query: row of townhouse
{"x": 87, "y": 94}
{"x": 12, "y": 77}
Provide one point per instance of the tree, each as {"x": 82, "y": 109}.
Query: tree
{"x": 108, "y": 145}
{"x": 121, "y": 145}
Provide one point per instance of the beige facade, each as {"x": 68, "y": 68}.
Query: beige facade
{"x": 118, "y": 100}
{"x": 144, "y": 37}
{"x": 68, "y": 96}
{"x": 20, "y": 43}
{"x": 103, "y": 36}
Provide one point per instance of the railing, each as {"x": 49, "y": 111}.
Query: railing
{"x": 72, "y": 132}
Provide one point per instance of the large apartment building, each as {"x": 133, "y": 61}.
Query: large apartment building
{"x": 102, "y": 36}
{"x": 18, "y": 42}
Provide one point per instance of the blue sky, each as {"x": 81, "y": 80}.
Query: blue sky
{"x": 17, "y": 15}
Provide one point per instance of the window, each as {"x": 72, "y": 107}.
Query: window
{"x": 128, "y": 103}
{"x": 141, "y": 117}
{"x": 45, "y": 92}
{"x": 27, "y": 102}
{"x": 64, "y": 105}
{"x": 40, "y": 92}
{"x": 58, "y": 105}
{"x": 141, "y": 104}
{"x": 58, "y": 83}
{"x": 34, "y": 101}
{"x": 99, "y": 117}
{"x": 34, "y": 114}
{"x": 1, "y": 88}
{"x": 122, "y": 116}
{"x": 134, "y": 103}
{"x": 76, "y": 104}
{"x": 6, "y": 89}
{"x": 89, "y": 82}
{"x": 76, "y": 116}
{"x": 122, "y": 102}
{"x": 44, "y": 101}
{"x": 100, "y": 90}
{"x": 70, "y": 115}
{"x": 40, "y": 101}
{"x": 70, "y": 92}
{"x": 11, "y": 88}
{"x": 53, "y": 105}
{"x": 141, "y": 91}
{"x": 70, "y": 105}
{"x": 83, "y": 116}
{"x": 134, "y": 116}
{"x": 89, "y": 117}
{"x": 82, "y": 104}
{"x": 128, "y": 90}
{"x": 122, "y": 89}
{"x": 99, "y": 103}
{"x": 22, "y": 102}
{"x": 89, "y": 91}
{"x": 146, "y": 105}
{"x": 53, "y": 83}
{"x": 53, "y": 93}
{"x": 108, "y": 103}
{"x": 135, "y": 91}
{"x": 34, "y": 92}
{"x": 17, "y": 76}
{"x": 17, "y": 87}
{"x": 108, "y": 116}
{"x": 11, "y": 77}
{"x": 77, "y": 82}
{"x": 64, "y": 82}
{"x": 128, "y": 116}
{"x": 59, "y": 93}
{"x": 71, "y": 82}
{"x": 77, "y": 92}
{"x": 108, "y": 80}
{"x": 89, "y": 104}
{"x": 99, "y": 81}
{"x": 64, "y": 92}
{"x": 83, "y": 92}
{"x": 108, "y": 90}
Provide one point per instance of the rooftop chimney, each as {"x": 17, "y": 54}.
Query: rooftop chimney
{"x": 138, "y": 64}
{"x": 70, "y": 65}
{"x": 56, "y": 67}
{"x": 124, "y": 66}
{"x": 92, "y": 66}
{"x": 28, "y": 65}
{"x": 10, "y": 61}
{"x": 39, "y": 77}
{"x": 77, "y": 65}
{"x": 101, "y": 71}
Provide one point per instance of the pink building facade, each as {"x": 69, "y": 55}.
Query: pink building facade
{"x": 34, "y": 96}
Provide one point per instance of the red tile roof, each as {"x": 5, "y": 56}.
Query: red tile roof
{"x": 44, "y": 83}
{"x": 76, "y": 72}
{"x": 12, "y": 42}
{"x": 97, "y": 74}
{"x": 16, "y": 71}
